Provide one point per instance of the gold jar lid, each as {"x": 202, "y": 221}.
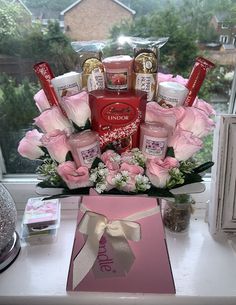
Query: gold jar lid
{"x": 91, "y": 64}
{"x": 145, "y": 62}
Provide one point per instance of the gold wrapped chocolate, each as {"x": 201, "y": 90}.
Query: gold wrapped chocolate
{"x": 145, "y": 62}
{"x": 91, "y": 64}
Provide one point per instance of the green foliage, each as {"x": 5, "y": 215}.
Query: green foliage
{"x": 51, "y": 46}
{"x": 205, "y": 153}
{"x": 11, "y": 15}
{"x": 58, "y": 5}
{"x": 16, "y": 104}
{"x": 179, "y": 52}
{"x": 48, "y": 170}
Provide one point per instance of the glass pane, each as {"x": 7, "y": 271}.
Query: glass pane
{"x": 42, "y": 30}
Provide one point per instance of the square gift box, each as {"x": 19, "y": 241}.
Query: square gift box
{"x": 108, "y": 253}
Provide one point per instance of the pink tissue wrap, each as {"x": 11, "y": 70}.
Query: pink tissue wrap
{"x": 151, "y": 270}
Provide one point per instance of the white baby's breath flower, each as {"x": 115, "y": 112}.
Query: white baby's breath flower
{"x": 142, "y": 183}
{"x": 101, "y": 172}
{"x": 93, "y": 177}
{"x": 101, "y": 165}
{"x": 125, "y": 174}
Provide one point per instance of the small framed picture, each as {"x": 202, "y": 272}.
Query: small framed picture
{"x": 222, "y": 206}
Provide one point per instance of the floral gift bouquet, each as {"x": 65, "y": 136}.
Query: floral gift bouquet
{"x": 119, "y": 127}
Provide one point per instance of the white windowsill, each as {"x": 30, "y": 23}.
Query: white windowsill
{"x": 203, "y": 269}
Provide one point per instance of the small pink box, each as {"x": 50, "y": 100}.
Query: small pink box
{"x": 150, "y": 272}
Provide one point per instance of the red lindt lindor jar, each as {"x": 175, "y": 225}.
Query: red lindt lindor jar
{"x": 117, "y": 117}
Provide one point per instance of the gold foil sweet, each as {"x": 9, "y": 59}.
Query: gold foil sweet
{"x": 145, "y": 73}
{"x": 93, "y": 74}
{"x": 145, "y": 62}
{"x": 91, "y": 64}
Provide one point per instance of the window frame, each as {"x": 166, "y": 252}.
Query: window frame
{"x": 224, "y": 39}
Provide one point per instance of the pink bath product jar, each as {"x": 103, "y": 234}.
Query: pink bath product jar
{"x": 153, "y": 140}
{"x": 118, "y": 72}
{"x": 85, "y": 147}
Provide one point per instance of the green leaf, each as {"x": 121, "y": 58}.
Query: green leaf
{"x": 203, "y": 167}
{"x": 78, "y": 191}
{"x": 96, "y": 162}
{"x": 44, "y": 149}
{"x": 159, "y": 192}
{"x": 118, "y": 192}
{"x": 69, "y": 156}
{"x": 55, "y": 197}
{"x": 170, "y": 152}
{"x": 192, "y": 178}
{"x": 47, "y": 184}
{"x": 82, "y": 128}
{"x": 188, "y": 179}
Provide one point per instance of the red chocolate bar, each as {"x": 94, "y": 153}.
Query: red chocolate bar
{"x": 196, "y": 79}
{"x": 45, "y": 74}
{"x": 117, "y": 117}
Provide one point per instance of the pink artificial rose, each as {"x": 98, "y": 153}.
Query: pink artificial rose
{"x": 77, "y": 108}
{"x": 196, "y": 121}
{"x": 74, "y": 177}
{"x": 110, "y": 180}
{"x": 130, "y": 185}
{"x": 110, "y": 158}
{"x": 52, "y": 119}
{"x": 204, "y": 106}
{"x": 41, "y": 101}
{"x": 132, "y": 169}
{"x": 127, "y": 157}
{"x": 156, "y": 113}
{"x": 29, "y": 146}
{"x": 185, "y": 144}
{"x": 161, "y": 77}
{"x": 56, "y": 144}
{"x": 158, "y": 170}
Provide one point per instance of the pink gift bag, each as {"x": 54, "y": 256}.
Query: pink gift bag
{"x": 120, "y": 246}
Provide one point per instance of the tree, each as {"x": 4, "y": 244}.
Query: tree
{"x": 179, "y": 52}
{"x": 9, "y": 14}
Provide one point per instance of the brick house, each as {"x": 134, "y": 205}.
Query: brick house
{"x": 225, "y": 29}
{"x": 93, "y": 19}
{"x": 25, "y": 17}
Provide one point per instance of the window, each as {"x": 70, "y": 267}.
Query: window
{"x": 234, "y": 41}
{"x": 28, "y": 36}
{"x": 224, "y": 38}
{"x": 225, "y": 25}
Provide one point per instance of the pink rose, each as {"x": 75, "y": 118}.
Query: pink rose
{"x": 156, "y": 113}
{"x": 41, "y": 101}
{"x": 52, "y": 119}
{"x": 130, "y": 185}
{"x": 29, "y": 146}
{"x": 195, "y": 121}
{"x": 185, "y": 144}
{"x": 110, "y": 158}
{"x": 56, "y": 144}
{"x": 132, "y": 169}
{"x": 161, "y": 77}
{"x": 158, "y": 170}
{"x": 77, "y": 108}
{"x": 74, "y": 177}
{"x": 204, "y": 106}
